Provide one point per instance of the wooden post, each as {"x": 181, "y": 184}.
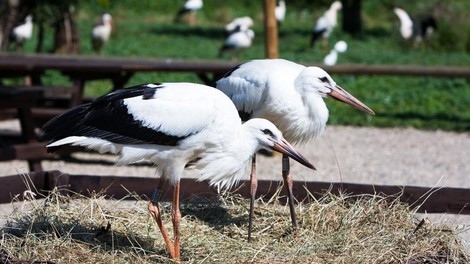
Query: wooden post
{"x": 270, "y": 30}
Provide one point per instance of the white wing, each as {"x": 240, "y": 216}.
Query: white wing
{"x": 247, "y": 85}
{"x": 177, "y": 109}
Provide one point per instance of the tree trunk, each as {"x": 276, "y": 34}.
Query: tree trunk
{"x": 40, "y": 40}
{"x": 9, "y": 13}
{"x": 66, "y": 39}
{"x": 352, "y": 20}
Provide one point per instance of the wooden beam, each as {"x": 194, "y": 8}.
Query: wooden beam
{"x": 270, "y": 30}
{"x": 398, "y": 70}
{"x": 423, "y": 199}
{"x": 20, "y": 65}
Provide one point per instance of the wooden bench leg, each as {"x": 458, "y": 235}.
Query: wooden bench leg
{"x": 27, "y": 129}
{"x": 77, "y": 92}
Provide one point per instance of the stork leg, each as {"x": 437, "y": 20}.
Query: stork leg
{"x": 288, "y": 182}
{"x": 154, "y": 210}
{"x": 176, "y": 215}
{"x": 253, "y": 188}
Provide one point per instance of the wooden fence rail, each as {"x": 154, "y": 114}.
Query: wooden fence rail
{"x": 18, "y": 65}
{"x": 424, "y": 199}
{"x": 400, "y": 70}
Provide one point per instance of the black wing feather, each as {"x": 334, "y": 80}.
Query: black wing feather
{"x": 107, "y": 118}
{"x": 315, "y": 35}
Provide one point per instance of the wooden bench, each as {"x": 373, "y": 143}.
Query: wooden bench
{"x": 23, "y": 145}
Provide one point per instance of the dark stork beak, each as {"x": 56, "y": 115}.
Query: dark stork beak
{"x": 340, "y": 94}
{"x": 284, "y": 147}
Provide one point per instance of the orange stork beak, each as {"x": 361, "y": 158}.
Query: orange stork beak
{"x": 284, "y": 147}
{"x": 342, "y": 95}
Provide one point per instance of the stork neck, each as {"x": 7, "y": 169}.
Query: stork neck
{"x": 310, "y": 119}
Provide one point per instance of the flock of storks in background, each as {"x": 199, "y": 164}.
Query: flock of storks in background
{"x": 240, "y": 34}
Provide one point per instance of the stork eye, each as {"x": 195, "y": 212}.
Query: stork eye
{"x": 267, "y": 132}
{"x": 324, "y": 79}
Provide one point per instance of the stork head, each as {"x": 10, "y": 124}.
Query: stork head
{"x": 336, "y": 5}
{"x": 270, "y": 138}
{"x": 107, "y": 19}
{"x": 317, "y": 81}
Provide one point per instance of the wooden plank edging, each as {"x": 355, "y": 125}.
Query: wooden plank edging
{"x": 431, "y": 200}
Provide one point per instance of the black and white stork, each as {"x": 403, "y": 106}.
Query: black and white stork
{"x": 189, "y": 9}
{"x": 291, "y": 96}
{"x": 101, "y": 32}
{"x": 172, "y": 125}
{"x": 280, "y": 11}
{"x": 417, "y": 27}
{"x": 325, "y": 24}
{"x": 332, "y": 57}
{"x": 22, "y": 32}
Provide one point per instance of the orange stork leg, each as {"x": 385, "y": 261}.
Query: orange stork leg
{"x": 253, "y": 188}
{"x": 176, "y": 215}
{"x": 154, "y": 210}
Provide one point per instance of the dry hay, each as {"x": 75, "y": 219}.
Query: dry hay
{"x": 333, "y": 229}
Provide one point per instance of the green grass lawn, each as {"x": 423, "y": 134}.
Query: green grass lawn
{"x": 146, "y": 29}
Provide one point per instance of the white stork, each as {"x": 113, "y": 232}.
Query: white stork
{"x": 326, "y": 23}
{"x": 101, "y": 32}
{"x": 280, "y": 11}
{"x": 289, "y": 95}
{"x": 23, "y": 32}
{"x": 239, "y": 24}
{"x": 332, "y": 57}
{"x": 172, "y": 125}
{"x": 415, "y": 27}
{"x": 236, "y": 42}
{"x": 189, "y": 8}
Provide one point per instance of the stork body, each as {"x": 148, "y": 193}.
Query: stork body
{"x": 325, "y": 24}
{"x": 101, "y": 32}
{"x": 239, "y": 24}
{"x": 332, "y": 57}
{"x": 23, "y": 32}
{"x": 236, "y": 42}
{"x": 418, "y": 27}
{"x": 172, "y": 125}
{"x": 189, "y": 9}
{"x": 280, "y": 11}
{"x": 289, "y": 95}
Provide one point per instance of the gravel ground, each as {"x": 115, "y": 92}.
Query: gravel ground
{"x": 391, "y": 156}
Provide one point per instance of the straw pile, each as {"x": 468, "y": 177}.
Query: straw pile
{"x": 69, "y": 228}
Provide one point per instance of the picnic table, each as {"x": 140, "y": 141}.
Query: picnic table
{"x": 24, "y": 146}
{"x": 23, "y": 101}
{"x": 80, "y": 69}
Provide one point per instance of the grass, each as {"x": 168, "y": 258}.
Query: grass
{"x": 333, "y": 229}
{"x": 146, "y": 29}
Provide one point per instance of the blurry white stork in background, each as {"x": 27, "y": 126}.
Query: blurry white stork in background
{"x": 101, "y": 32}
{"x": 236, "y": 42}
{"x": 325, "y": 24}
{"x": 239, "y": 24}
{"x": 240, "y": 36}
{"x": 22, "y": 32}
{"x": 189, "y": 9}
{"x": 280, "y": 11}
{"x": 332, "y": 57}
{"x": 172, "y": 125}
{"x": 289, "y": 95}
{"x": 418, "y": 27}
